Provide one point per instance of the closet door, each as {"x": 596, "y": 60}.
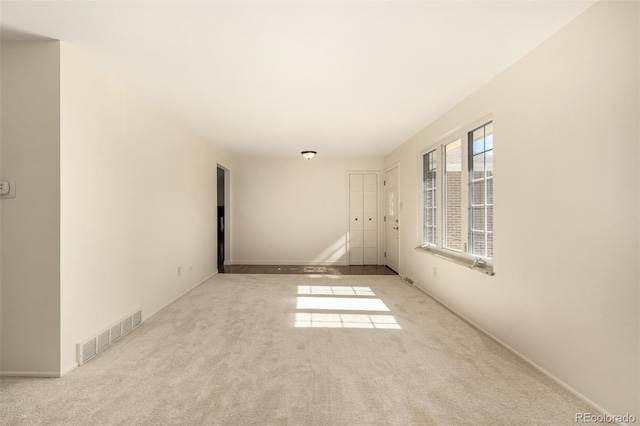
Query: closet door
{"x": 370, "y": 217}
{"x": 363, "y": 219}
{"x": 356, "y": 224}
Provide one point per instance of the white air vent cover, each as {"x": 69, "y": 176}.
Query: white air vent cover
{"x": 127, "y": 325}
{"x": 116, "y": 332}
{"x": 137, "y": 319}
{"x": 89, "y": 349}
{"x": 100, "y": 341}
{"x": 103, "y": 341}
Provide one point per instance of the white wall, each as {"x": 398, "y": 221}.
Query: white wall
{"x": 565, "y": 293}
{"x": 30, "y": 312}
{"x": 138, "y": 200}
{"x": 291, "y": 211}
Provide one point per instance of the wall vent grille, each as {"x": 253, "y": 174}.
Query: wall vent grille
{"x": 137, "y": 319}
{"x": 98, "y": 342}
{"x": 407, "y": 280}
{"x": 127, "y": 325}
{"x": 89, "y": 349}
{"x": 116, "y": 332}
{"x": 103, "y": 341}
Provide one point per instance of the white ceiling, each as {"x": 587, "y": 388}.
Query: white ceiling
{"x": 269, "y": 79}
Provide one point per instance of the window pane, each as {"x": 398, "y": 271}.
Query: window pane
{"x": 431, "y": 178}
{"x": 488, "y": 136}
{"x": 489, "y": 218}
{"x": 477, "y": 220}
{"x": 478, "y": 166}
{"x": 489, "y": 191}
{"x": 478, "y": 140}
{"x": 490, "y": 245}
{"x": 478, "y": 243}
{"x": 489, "y": 162}
{"x": 430, "y": 216}
{"x": 477, "y": 192}
{"x": 453, "y": 196}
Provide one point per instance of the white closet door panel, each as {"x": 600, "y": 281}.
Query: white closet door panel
{"x": 356, "y": 256}
{"x": 370, "y": 238}
{"x": 356, "y": 238}
{"x": 370, "y": 220}
{"x": 356, "y": 183}
{"x": 370, "y": 256}
{"x": 356, "y": 223}
{"x": 370, "y": 201}
{"x": 356, "y": 200}
{"x": 371, "y": 183}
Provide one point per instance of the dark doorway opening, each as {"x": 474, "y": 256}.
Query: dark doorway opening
{"x": 221, "y": 218}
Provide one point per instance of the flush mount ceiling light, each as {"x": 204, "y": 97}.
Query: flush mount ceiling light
{"x": 308, "y": 154}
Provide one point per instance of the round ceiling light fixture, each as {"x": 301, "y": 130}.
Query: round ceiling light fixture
{"x": 308, "y": 154}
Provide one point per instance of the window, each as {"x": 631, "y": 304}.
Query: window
{"x": 458, "y": 196}
{"x": 429, "y": 197}
{"x": 481, "y": 191}
{"x": 453, "y": 196}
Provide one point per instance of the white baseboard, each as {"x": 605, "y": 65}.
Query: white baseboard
{"x": 152, "y": 313}
{"x": 44, "y": 374}
{"x": 557, "y": 380}
{"x": 286, "y": 262}
{"x": 69, "y": 369}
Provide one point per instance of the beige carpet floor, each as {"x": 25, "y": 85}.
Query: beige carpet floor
{"x": 297, "y": 350}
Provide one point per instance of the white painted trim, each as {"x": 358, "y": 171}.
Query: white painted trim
{"x": 45, "y": 374}
{"x": 564, "y": 385}
{"x": 287, "y": 262}
{"x": 69, "y": 369}
{"x": 146, "y": 317}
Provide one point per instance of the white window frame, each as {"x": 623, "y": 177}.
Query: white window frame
{"x": 464, "y": 257}
{"x": 437, "y": 196}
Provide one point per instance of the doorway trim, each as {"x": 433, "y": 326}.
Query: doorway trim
{"x": 395, "y": 165}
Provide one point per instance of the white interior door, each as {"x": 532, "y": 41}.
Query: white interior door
{"x": 363, "y": 219}
{"x": 356, "y": 224}
{"x": 391, "y": 223}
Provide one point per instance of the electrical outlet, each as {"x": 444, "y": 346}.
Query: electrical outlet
{"x": 179, "y": 270}
{"x": 7, "y": 188}
{"x": 435, "y": 272}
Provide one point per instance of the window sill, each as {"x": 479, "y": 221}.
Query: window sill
{"x": 485, "y": 269}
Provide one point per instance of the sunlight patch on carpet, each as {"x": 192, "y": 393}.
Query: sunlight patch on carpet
{"x": 318, "y": 320}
